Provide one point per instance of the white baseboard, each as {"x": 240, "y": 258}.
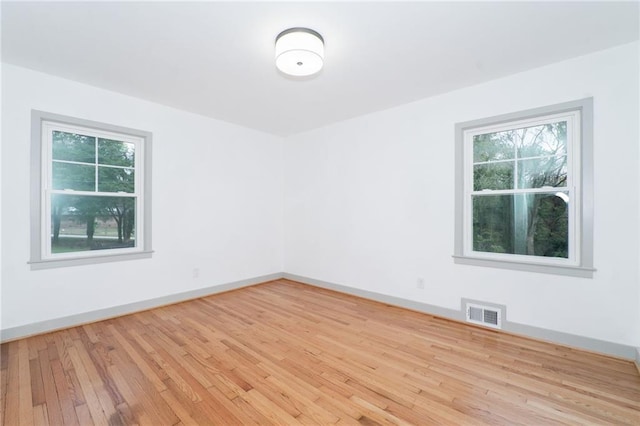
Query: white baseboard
{"x": 638, "y": 359}
{"x": 566, "y": 339}
{"x": 27, "y": 330}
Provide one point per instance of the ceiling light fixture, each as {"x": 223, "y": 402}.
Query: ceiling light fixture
{"x": 299, "y": 52}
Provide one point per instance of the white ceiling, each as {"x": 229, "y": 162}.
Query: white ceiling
{"x": 216, "y": 58}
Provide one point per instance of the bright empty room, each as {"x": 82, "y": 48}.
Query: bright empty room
{"x": 321, "y": 213}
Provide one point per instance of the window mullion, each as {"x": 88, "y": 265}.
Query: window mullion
{"x": 47, "y": 151}
{"x": 96, "y": 165}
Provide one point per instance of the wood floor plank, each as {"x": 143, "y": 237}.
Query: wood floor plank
{"x": 287, "y": 353}
{"x": 37, "y": 386}
{"x": 12, "y": 399}
{"x": 40, "y": 415}
{"x": 268, "y": 409}
{"x": 65, "y": 395}
{"x": 3, "y": 394}
{"x": 243, "y": 417}
{"x": 93, "y": 402}
{"x": 24, "y": 379}
{"x": 247, "y": 409}
{"x": 54, "y": 413}
{"x": 83, "y": 414}
{"x": 181, "y": 411}
{"x": 137, "y": 359}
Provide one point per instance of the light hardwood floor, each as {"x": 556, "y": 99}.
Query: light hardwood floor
{"x": 287, "y": 353}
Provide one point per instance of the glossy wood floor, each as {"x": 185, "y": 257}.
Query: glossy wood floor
{"x": 285, "y": 353}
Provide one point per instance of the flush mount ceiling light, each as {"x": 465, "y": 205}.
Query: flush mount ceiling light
{"x": 299, "y": 52}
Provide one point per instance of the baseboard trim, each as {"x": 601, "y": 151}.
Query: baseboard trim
{"x": 27, "y": 330}
{"x": 581, "y": 342}
{"x": 558, "y": 337}
{"x": 378, "y": 297}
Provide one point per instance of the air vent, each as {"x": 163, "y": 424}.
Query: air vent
{"x": 484, "y": 315}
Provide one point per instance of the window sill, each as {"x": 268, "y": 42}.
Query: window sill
{"x": 91, "y": 260}
{"x": 572, "y": 271}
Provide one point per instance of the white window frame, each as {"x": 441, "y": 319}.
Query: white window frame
{"x": 579, "y": 117}
{"x": 43, "y": 124}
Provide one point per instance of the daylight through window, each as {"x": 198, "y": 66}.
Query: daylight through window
{"x": 91, "y": 192}
{"x": 522, "y": 191}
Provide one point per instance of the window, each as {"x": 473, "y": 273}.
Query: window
{"x": 523, "y": 190}
{"x": 90, "y": 192}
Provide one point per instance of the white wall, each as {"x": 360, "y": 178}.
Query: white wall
{"x": 1, "y": 90}
{"x": 369, "y": 202}
{"x": 217, "y": 203}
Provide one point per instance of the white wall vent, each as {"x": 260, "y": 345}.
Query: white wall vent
{"x": 484, "y": 315}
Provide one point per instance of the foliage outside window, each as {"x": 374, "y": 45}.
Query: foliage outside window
{"x": 92, "y": 192}
{"x": 520, "y": 191}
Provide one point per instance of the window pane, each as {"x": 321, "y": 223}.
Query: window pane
{"x": 527, "y": 224}
{"x": 84, "y": 223}
{"x": 539, "y": 172}
{"x": 493, "y": 176}
{"x": 493, "y": 147}
{"x": 546, "y": 140}
{"x": 111, "y": 179}
{"x": 74, "y": 147}
{"x": 116, "y": 153}
{"x": 74, "y": 176}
